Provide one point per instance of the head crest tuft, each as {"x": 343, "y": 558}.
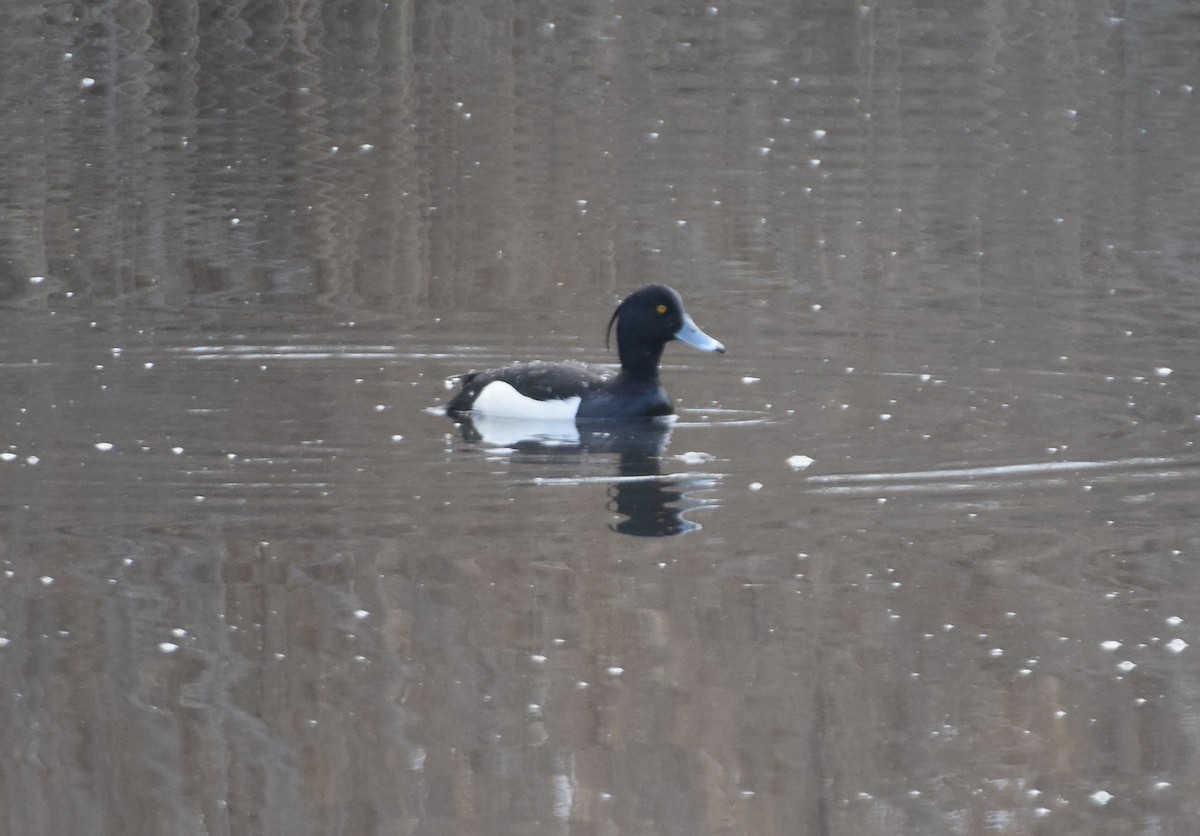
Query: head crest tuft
{"x": 608, "y": 330}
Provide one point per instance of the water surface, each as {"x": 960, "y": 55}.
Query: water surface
{"x": 918, "y": 556}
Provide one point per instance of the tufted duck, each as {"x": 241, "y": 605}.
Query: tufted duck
{"x": 646, "y": 321}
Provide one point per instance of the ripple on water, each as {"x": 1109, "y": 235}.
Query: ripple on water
{"x": 998, "y": 477}
{"x": 717, "y": 417}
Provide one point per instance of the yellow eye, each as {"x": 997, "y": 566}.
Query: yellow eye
{"x": 662, "y": 308}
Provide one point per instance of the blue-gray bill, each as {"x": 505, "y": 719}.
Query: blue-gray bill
{"x": 691, "y": 334}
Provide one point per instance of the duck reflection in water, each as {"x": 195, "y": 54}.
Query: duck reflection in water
{"x": 652, "y": 503}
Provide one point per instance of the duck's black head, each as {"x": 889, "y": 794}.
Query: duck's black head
{"x": 646, "y": 321}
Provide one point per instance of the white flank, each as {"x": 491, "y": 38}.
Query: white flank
{"x": 501, "y": 399}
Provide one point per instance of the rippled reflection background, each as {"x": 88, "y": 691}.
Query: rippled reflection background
{"x": 250, "y": 585}
{"x": 379, "y": 155}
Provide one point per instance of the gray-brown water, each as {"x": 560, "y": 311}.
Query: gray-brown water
{"x": 920, "y": 556}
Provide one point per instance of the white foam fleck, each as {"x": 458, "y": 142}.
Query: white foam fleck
{"x": 748, "y": 380}
{"x": 1100, "y": 797}
{"x": 564, "y": 795}
{"x": 1174, "y": 620}
{"x": 1110, "y": 645}
{"x": 1126, "y": 665}
{"x": 799, "y": 462}
{"x": 1163, "y": 371}
{"x": 694, "y": 457}
{"x": 103, "y": 446}
{"x": 1176, "y": 646}
{"x": 167, "y": 647}
{"x": 615, "y": 670}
